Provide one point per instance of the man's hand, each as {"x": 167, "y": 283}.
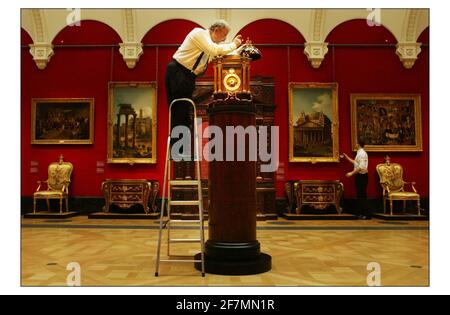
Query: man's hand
{"x": 348, "y": 175}
{"x": 238, "y": 40}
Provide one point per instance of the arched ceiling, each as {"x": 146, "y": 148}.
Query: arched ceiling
{"x": 131, "y": 25}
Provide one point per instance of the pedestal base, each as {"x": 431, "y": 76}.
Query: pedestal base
{"x": 234, "y": 259}
{"x": 50, "y": 215}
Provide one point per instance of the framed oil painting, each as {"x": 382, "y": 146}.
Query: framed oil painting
{"x": 62, "y": 121}
{"x": 132, "y": 113}
{"x": 313, "y": 122}
{"x": 387, "y": 122}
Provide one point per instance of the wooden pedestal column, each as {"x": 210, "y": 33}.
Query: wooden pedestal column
{"x": 232, "y": 248}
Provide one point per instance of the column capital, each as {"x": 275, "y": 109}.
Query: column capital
{"x": 408, "y": 52}
{"x": 131, "y": 53}
{"x": 316, "y": 51}
{"x": 41, "y": 52}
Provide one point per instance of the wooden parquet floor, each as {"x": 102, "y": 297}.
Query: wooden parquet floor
{"x": 307, "y": 253}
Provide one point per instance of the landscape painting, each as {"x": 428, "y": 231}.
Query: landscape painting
{"x": 132, "y": 122}
{"x": 313, "y": 122}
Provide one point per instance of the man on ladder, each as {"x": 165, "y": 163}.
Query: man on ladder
{"x": 189, "y": 61}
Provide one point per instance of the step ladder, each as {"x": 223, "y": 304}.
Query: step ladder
{"x": 168, "y": 223}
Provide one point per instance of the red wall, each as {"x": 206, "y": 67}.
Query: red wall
{"x": 85, "y": 72}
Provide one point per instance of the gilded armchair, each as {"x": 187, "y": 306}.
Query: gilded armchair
{"x": 58, "y": 182}
{"x": 391, "y": 179}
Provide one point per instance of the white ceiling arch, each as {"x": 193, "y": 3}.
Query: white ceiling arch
{"x": 132, "y": 25}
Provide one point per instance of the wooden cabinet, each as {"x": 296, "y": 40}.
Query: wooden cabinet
{"x": 318, "y": 194}
{"x": 126, "y": 193}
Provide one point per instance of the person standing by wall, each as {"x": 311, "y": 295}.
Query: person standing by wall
{"x": 360, "y": 171}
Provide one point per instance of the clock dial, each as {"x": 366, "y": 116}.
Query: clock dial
{"x": 232, "y": 81}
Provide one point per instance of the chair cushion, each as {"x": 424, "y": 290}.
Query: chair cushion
{"x": 404, "y": 195}
{"x": 49, "y": 194}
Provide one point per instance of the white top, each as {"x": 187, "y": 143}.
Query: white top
{"x": 361, "y": 162}
{"x": 196, "y": 42}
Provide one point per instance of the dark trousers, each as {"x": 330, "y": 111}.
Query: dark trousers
{"x": 180, "y": 83}
{"x": 361, "y": 181}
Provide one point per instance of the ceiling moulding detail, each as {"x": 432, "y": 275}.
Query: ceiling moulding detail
{"x": 408, "y": 53}
{"x": 316, "y": 51}
{"x": 41, "y": 52}
{"x": 131, "y": 52}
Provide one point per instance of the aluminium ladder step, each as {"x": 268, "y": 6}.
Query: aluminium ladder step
{"x": 181, "y": 260}
{"x": 184, "y": 221}
{"x": 184, "y": 202}
{"x": 183, "y": 182}
{"x": 185, "y": 240}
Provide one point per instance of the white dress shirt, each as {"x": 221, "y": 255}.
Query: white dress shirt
{"x": 361, "y": 162}
{"x": 198, "y": 41}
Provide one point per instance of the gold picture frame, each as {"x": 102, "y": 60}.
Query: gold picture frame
{"x": 62, "y": 121}
{"x": 313, "y": 122}
{"x": 132, "y": 106}
{"x": 387, "y": 122}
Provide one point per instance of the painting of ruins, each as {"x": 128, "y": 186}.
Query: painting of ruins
{"x": 132, "y": 122}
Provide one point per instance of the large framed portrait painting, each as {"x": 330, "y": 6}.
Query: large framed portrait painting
{"x": 313, "y": 122}
{"x": 132, "y": 122}
{"x": 62, "y": 121}
{"x": 387, "y": 122}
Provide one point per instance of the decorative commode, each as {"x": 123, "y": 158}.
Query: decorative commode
{"x": 319, "y": 194}
{"x": 127, "y": 193}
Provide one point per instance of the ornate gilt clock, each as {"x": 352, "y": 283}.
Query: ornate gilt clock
{"x": 231, "y": 77}
{"x": 232, "y": 73}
